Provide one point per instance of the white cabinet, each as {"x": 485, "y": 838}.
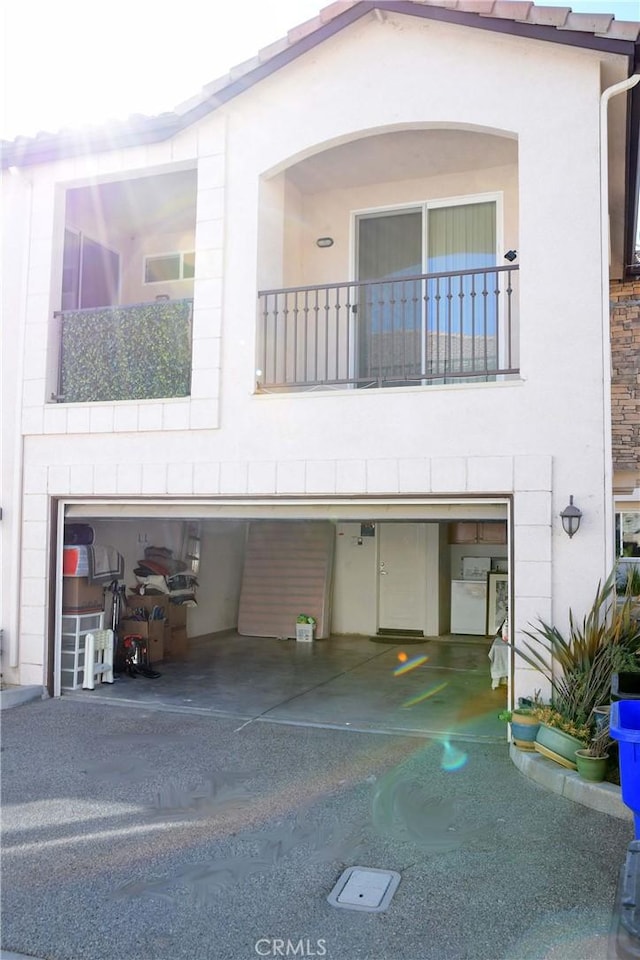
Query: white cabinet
{"x": 469, "y": 607}
{"x": 75, "y": 627}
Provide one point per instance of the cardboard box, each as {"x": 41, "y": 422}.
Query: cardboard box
{"x": 176, "y": 643}
{"x": 148, "y": 602}
{"x": 80, "y": 596}
{"x": 151, "y": 630}
{"x": 175, "y": 613}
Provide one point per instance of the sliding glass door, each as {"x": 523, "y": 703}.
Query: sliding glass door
{"x": 409, "y": 329}
{"x": 390, "y": 306}
{"x": 462, "y": 307}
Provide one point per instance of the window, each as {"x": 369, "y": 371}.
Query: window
{"x": 169, "y": 266}
{"x": 628, "y": 534}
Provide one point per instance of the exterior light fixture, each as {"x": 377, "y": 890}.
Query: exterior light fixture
{"x": 571, "y": 517}
{"x": 324, "y": 242}
{"x": 511, "y": 255}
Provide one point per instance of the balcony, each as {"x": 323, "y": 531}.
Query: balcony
{"x": 135, "y": 352}
{"x": 420, "y": 330}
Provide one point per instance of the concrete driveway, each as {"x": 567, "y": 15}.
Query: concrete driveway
{"x": 132, "y": 833}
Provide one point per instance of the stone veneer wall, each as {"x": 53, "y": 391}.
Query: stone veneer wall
{"x": 625, "y": 379}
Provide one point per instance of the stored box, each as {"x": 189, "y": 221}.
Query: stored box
{"x": 80, "y": 596}
{"x": 176, "y": 643}
{"x": 175, "y": 613}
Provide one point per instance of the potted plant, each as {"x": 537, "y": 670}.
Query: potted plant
{"x": 524, "y": 722}
{"x": 579, "y": 668}
{"x": 305, "y": 626}
{"x": 559, "y": 737}
{"x": 592, "y": 761}
{"x": 524, "y": 726}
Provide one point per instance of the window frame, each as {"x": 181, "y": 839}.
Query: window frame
{"x": 620, "y": 513}
{"x": 179, "y": 255}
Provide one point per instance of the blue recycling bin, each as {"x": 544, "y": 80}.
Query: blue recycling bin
{"x": 624, "y": 727}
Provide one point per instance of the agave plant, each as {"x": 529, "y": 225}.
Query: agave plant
{"x": 579, "y": 666}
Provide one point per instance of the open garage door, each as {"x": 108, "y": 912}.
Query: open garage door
{"x": 237, "y": 662}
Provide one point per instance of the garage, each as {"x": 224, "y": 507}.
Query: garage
{"x": 404, "y": 596}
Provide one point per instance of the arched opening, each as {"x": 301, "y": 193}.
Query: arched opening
{"x": 382, "y": 262}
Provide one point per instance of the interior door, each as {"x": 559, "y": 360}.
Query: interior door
{"x": 401, "y": 576}
{"x": 390, "y": 306}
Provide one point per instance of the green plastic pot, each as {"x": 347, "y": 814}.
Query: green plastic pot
{"x": 593, "y": 769}
{"x": 558, "y": 745}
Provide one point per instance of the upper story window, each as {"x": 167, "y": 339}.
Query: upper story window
{"x": 169, "y": 266}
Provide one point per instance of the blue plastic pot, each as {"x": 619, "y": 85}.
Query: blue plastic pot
{"x": 625, "y": 728}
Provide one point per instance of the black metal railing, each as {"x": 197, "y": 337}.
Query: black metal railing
{"x": 134, "y": 352}
{"x": 426, "y": 328}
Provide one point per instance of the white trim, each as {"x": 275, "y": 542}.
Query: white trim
{"x": 342, "y": 507}
{"x": 57, "y": 641}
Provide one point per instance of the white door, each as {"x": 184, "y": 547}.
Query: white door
{"x": 401, "y": 576}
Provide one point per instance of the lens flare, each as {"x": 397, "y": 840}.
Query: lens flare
{"x": 452, "y": 757}
{"x": 402, "y": 657}
{"x": 410, "y": 665}
{"x": 425, "y": 696}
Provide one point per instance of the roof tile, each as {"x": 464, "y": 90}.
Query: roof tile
{"x": 447, "y": 4}
{"x": 548, "y": 16}
{"x": 588, "y": 22}
{"x": 303, "y": 30}
{"x": 218, "y": 84}
{"x": 511, "y": 9}
{"x": 476, "y": 6}
{"x": 241, "y": 69}
{"x": 622, "y": 30}
{"x": 335, "y": 9}
{"x": 266, "y": 53}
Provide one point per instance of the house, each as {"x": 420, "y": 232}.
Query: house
{"x": 360, "y": 283}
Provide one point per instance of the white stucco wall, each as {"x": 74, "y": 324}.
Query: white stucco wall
{"x": 219, "y": 578}
{"x": 539, "y": 439}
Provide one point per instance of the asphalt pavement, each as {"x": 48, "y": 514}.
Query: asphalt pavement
{"x": 138, "y": 834}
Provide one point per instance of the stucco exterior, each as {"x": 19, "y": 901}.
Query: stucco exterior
{"x": 525, "y": 444}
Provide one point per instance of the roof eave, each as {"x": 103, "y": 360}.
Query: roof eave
{"x": 57, "y": 147}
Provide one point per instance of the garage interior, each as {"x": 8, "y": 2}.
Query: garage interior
{"x": 399, "y": 596}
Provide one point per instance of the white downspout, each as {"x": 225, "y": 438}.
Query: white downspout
{"x": 606, "y": 96}
{"x": 18, "y": 448}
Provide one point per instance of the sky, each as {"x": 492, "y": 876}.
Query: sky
{"x": 77, "y": 62}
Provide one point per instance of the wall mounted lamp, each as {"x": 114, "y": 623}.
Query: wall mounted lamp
{"x": 324, "y": 242}
{"x": 511, "y": 255}
{"x": 571, "y": 517}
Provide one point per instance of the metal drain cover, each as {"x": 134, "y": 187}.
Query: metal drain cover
{"x": 364, "y": 888}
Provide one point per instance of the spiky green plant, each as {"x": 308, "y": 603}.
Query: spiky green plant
{"x": 579, "y": 667}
